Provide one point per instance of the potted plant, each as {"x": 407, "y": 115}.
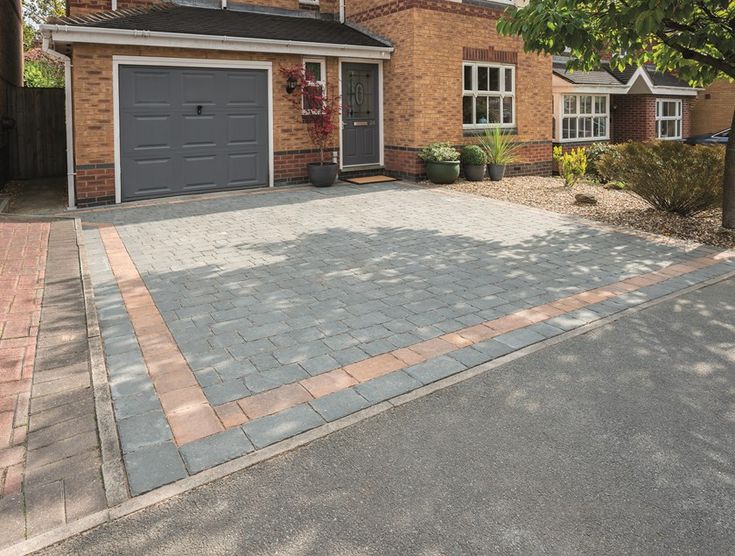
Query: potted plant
{"x": 442, "y": 162}
{"x": 500, "y": 150}
{"x": 320, "y": 112}
{"x": 473, "y": 162}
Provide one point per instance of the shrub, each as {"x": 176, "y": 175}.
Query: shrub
{"x": 572, "y": 164}
{"x": 473, "y": 156}
{"x": 595, "y": 151}
{"x": 499, "y": 147}
{"x": 439, "y": 152}
{"x": 668, "y": 175}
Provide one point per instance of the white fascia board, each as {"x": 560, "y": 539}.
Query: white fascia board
{"x": 75, "y": 34}
{"x": 660, "y": 91}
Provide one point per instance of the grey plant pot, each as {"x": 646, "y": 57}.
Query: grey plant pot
{"x": 322, "y": 175}
{"x": 496, "y": 171}
{"x": 474, "y": 172}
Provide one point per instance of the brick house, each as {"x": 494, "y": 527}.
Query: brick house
{"x": 638, "y": 104}
{"x": 712, "y": 110}
{"x": 172, "y": 98}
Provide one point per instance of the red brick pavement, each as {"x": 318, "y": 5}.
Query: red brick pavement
{"x": 23, "y": 247}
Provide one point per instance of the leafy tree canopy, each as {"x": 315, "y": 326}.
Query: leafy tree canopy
{"x": 693, "y": 38}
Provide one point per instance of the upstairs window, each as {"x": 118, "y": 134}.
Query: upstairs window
{"x": 584, "y": 117}
{"x": 668, "y": 119}
{"x": 488, "y": 95}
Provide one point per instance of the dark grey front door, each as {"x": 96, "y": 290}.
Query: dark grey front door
{"x": 188, "y": 130}
{"x": 361, "y": 114}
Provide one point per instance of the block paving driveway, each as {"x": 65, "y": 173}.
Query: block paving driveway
{"x": 231, "y": 323}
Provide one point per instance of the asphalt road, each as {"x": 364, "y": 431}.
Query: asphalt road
{"x": 618, "y": 441}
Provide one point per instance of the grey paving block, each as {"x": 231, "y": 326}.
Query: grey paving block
{"x": 207, "y": 377}
{"x": 234, "y": 368}
{"x": 387, "y": 386}
{"x": 320, "y": 364}
{"x": 338, "y": 405}
{"x": 546, "y": 330}
{"x": 302, "y": 352}
{"x": 521, "y": 338}
{"x": 435, "y": 369}
{"x": 349, "y": 355}
{"x": 469, "y": 356}
{"x": 130, "y": 385}
{"x": 137, "y": 404}
{"x": 492, "y": 348}
{"x": 153, "y": 466}
{"x": 224, "y": 392}
{"x": 268, "y": 430}
{"x": 143, "y": 430}
{"x": 286, "y": 374}
{"x": 216, "y": 449}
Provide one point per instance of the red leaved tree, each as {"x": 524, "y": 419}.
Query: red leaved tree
{"x": 320, "y": 109}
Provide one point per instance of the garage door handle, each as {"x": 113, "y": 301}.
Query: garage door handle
{"x": 199, "y": 110}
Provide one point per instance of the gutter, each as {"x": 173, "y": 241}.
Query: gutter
{"x": 80, "y": 34}
{"x": 69, "y": 119}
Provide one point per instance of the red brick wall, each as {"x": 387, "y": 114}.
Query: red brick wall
{"x": 634, "y": 117}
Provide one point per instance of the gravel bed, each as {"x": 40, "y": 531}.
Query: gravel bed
{"x": 616, "y": 207}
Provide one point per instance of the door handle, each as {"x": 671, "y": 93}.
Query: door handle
{"x": 199, "y": 110}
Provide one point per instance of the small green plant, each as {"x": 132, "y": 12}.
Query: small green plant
{"x": 439, "y": 152}
{"x": 473, "y": 155}
{"x": 499, "y": 147}
{"x": 668, "y": 175}
{"x": 572, "y": 164}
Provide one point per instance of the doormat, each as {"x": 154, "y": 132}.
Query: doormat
{"x": 369, "y": 179}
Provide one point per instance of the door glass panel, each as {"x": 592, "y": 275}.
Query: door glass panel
{"x": 360, "y": 95}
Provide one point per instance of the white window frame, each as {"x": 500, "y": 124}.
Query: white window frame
{"x": 678, "y": 118}
{"x": 502, "y": 93}
{"x": 577, "y": 115}
{"x": 322, "y": 82}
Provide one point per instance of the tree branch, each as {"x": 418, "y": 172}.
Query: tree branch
{"x": 706, "y": 59}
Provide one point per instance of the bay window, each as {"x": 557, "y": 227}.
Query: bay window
{"x": 668, "y": 119}
{"x": 488, "y": 97}
{"x": 585, "y": 117}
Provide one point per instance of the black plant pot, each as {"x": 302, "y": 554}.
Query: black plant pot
{"x": 322, "y": 175}
{"x": 496, "y": 171}
{"x": 474, "y": 172}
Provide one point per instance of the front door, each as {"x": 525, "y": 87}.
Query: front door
{"x": 361, "y": 114}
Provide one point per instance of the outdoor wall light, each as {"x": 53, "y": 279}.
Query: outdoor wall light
{"x": 291, "y": 85}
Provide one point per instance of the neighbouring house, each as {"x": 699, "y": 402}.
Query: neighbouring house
{"x": 713, "y": 108}
{"x": 173, "y": 98}
{"x": 638, "y": 104}
{"x": 11, "y": 74}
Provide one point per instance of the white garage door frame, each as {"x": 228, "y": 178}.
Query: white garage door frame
{"x": 117, "y": 61}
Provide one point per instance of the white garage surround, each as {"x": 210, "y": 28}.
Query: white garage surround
{"x": 117, "y": 61}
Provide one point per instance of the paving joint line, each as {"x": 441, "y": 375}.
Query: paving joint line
{"x": 221, "y": 471}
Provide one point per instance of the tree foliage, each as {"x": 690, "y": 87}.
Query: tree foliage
{"x": 694, "y": 38}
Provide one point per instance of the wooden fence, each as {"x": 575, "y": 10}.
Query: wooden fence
{"x": 38, "y": 141}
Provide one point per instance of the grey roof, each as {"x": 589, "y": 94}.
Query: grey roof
{"x": 607, "y": 75}
{"x": 170, "y": 18}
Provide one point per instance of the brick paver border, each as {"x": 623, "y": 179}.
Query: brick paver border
{"x": 192, "y": 418}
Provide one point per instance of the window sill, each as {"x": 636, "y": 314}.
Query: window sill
{"x": 476, "y": 132}
{"x": 583, "y": 140}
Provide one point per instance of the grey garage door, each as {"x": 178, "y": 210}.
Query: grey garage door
{"x": 189, "y": 130}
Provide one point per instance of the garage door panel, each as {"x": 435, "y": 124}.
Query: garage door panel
{"x": 243, "y": 169}
{"x": 150, "y": 88}
{"x": 167, "y": 148}
{"x": 243, "y": 90}
{"x": 151, "y": 132}
{"x": 200, "y": 172}
{"x": 199, "y": 88}
{"x": 156, "y": 176}
{"x": 200, "y": 131}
